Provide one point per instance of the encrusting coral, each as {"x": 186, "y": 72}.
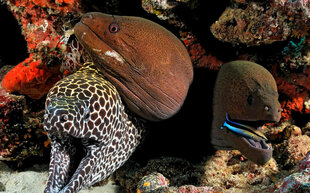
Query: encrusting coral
{"x": 21, "y": 129}
{"x": 41, "y": 22}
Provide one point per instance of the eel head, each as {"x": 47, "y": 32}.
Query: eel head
{"x": 245, "y": 98}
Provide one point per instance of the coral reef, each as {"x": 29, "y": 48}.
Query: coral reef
{"x": 177, "y": 170}
{"x": 31, "y": 78}
{"x": 305, "y": 163}
{"x": 227, "y": 171}
{"x": 170, "y": 11}
{"x": 254, "y": 25}
{"x": 231, "y": 171}
{"x": 21, "y": 128}
{"x": 297, "y": 182}
{"x": 157, "y": 183}
{"x": 272, "y": 33}
{"x": 43, "y": 23}
{"x": 292, "y": 151}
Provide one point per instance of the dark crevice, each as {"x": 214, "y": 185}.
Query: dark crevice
{"x": 13, "y": 49}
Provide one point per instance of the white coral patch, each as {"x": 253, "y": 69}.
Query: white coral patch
{"x": 114, "y": 54}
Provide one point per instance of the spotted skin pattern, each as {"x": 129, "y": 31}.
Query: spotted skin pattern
{"x": 90, "y": 132}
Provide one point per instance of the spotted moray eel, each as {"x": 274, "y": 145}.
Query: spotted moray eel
{"x": 90, "y": 132}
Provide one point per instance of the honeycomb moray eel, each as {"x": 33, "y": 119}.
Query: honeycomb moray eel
{"x": 245, "y": 97}
{"x": 149, "y": 66}
{"x": 91, "y": 134}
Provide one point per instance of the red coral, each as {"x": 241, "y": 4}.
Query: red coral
{"x": 37, "y": 74}
{"x": 199, "y": 55}
{"x": 296, "y": 88}
{"x": 31, "y": 78}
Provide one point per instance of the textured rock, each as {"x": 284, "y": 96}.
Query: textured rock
{"x": 305, "y": 163}
{"x": 295, "y": 183}
{"x": 157, "y": 183}
{"x": 43, "y": 25}
{"x": 177, "y": 170}
{"x": 292, "y": 151}
{"x": 253, "y": 26}
{"x": 21, "y": 128}
{"x": 234, "y": 173}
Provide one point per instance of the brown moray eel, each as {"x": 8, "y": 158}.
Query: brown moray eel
{"x": 247, "y": 93}
{"x": 148, "y": 65}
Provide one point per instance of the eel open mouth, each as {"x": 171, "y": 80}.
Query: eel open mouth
{"x": 69, "y": 155}
{"x": 249, "y": 131}
{"x": 246, "y": 136}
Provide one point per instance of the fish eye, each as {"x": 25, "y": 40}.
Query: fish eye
{"x": 64, "y": 117}
{"x": 266, "y": 108}
{"x": 86, "y": 114}
{"x": 250, "y": 99}
{"x": 114, "y": 28}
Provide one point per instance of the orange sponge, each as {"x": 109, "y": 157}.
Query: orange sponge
{"x": 31, "y": 78}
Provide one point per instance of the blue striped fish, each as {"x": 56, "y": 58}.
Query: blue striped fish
{"x": 243, "y": 130}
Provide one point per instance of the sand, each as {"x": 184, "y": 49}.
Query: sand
{"x": 33, "y": 180}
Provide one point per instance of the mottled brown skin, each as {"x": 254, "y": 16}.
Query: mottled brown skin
{"x": 149, "y": 66}
{"x": 244, "y": 89}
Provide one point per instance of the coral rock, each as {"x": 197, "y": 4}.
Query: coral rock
{"x": 152, "y": 182}
{"x": 21, "y": 128}
{"x": 157, "y": 183}
{"x": 292, "y": 151}
{"x": 232, "y": 172}
{"x": 295, "y": 183}
{"x": 31, "y": 78}
{"x": 42, "y": 23}
{"x": 305, "y": 163}
{"x": 177, "y": 170}
{"x": 199, "y": 56}
{"x": 253, "y": 26}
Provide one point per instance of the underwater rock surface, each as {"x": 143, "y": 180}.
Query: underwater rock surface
{"x": 272, "y": 33}
{"x": 34, "y": 179}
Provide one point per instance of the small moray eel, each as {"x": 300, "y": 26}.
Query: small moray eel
{"x": 245, "y": 97}
{"x": 90, "y": 132}
{"x": 149, "y": 66}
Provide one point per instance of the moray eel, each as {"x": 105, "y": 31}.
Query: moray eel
{"x": 90, "y": 133}
{"x": 149, "y": 66}
{"x": 245, "y": 97}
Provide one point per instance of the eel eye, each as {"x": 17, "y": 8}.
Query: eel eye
{"x": 114, "y": 28}
{"x": 267, "y": 108}
{"x": 250, "y": 99}
{"x": 64, "y": 118}
{"x": 86, "y": 114}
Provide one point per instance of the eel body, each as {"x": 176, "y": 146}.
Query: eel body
{"x": 245, "y": 97}
{"x": 91, "y": 135}
{"x": 149, "y": 66}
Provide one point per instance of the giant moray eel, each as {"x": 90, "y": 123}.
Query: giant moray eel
{"x": 148, "y": 65}
{"x": 91, "y": 135}
{"x": 245, "y": 97}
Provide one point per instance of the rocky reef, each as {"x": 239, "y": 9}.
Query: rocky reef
{"x": 176, "y": 155}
